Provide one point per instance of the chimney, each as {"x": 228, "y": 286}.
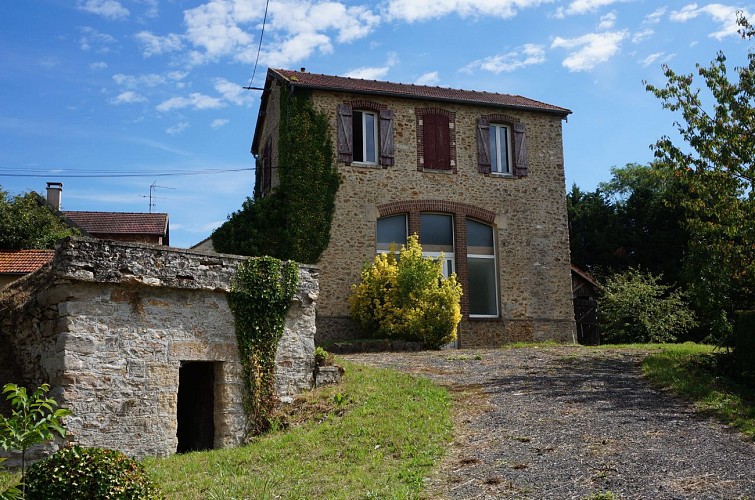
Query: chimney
{"x": 303, "y": 70}
{"x": 54, "y": 192}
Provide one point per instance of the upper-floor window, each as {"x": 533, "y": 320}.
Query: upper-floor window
{"x": 365, "y": 133}
{"x": 500, "y": 145}
{"x": 436, "y": 139}
{"x": 500, "y": 148}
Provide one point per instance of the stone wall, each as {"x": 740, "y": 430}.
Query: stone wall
{"x": 529, "y": 215}
{"x": 109, "y": 326}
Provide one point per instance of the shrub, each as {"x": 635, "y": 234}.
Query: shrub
{"x": 88, "y": 473}
{"x": 636, "y": 307}
{"x": 407, "y": 298}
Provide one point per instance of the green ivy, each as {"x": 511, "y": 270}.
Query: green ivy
{"x": 292, "y": 221}
{"x": 260, "y": 297}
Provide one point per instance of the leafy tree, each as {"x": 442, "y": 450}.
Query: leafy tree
{"x": 25, "y": 223}
{"x": 636, "y": 307}
{"x": 594, "y": 231}
{"x": 407, "y": 298}
{"x": 34, "y": 419}
{"x": 714, "y": 164}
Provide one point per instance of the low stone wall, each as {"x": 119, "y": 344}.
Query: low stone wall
{"x": 109, "y": 325}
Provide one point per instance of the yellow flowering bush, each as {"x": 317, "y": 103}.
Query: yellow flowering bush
{"x": 407, "y": 298}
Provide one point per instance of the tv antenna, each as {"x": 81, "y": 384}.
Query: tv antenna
{"x": 152, "y": 188}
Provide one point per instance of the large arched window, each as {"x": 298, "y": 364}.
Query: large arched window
{"x": 436, "y": 235}
{"x": 482, "y": 286}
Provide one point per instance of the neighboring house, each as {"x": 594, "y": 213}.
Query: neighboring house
{"x": 478, "y": 176}
{"x": 17, "y": 263}
{"x": 204, "y": 246}
{"x": 585, "y": 292}
{"x": 124, "y": 226}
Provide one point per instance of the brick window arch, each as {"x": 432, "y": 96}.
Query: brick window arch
{"x": 475, "y": 266}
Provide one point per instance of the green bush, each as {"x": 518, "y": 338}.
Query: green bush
{"x": 88, "y": 473}
{"x": 636, "y": 307}
{"x": 743, "y": 342}
{"x": 407, "y": 298}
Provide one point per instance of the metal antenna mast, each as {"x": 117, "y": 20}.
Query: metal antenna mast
{"x": 152, "y": 188}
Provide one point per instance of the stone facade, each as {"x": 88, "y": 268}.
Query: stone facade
{"x": 527, "y": 212}
{"x": 111, "y": 325}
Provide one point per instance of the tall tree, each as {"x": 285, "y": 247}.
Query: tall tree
{"x": 26, "y": 222}
{"x": 714, "y": 164}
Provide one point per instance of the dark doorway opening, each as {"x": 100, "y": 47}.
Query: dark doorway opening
{"x": 196, "y": 405}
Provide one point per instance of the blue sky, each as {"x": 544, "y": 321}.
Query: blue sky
{"x": 101, "y": 88}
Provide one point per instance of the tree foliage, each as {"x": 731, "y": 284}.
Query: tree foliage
{"x": 407, "y": 298}
{"x": 636, "y": 307}
{"x": 293, "y": 221}
{"x": 714, "y": 164}
{"x": 25, "y": 223}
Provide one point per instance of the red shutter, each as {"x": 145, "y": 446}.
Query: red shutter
{"x": 345, "y": 139}
{"x": 483, "y": 145}
{"x": 437, "y": 142}
{"x": 429, "y": 124}
{"x": 386, "y": 138}
{"x": 520, "y": 150}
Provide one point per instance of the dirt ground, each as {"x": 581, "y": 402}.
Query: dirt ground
{"x": 571, "y": 422}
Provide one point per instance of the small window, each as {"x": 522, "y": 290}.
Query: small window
{"x": 500, "y": 149}
{"x": 365, "y": 133}
{"x": 482, "y": 288}
{"x": 391, "y": 231}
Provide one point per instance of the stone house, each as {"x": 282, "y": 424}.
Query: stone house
{"x": 17, "y": 263}
{"x": 139, "y": 342}
{"x": 478, "y": 176}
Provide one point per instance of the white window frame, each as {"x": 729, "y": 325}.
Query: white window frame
{"x": 495, "y": 275}
{"x": 449, "y": 264}
{"x": 495, "y": 162}
{"x": 376, "y": 118}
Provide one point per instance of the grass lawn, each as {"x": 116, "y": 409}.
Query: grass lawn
{"x": 697, "y": 373}
{"x": 380, "y": 441}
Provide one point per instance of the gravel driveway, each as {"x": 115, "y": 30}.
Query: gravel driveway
{"x": 571, "y": 422}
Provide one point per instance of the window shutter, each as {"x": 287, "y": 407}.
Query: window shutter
{"x": 429, "y": 124}
{"x": 483, "y": 145}
{"x": 443, "y": 143}
{"x": 345, "y": 139}
{"x": 386, "y": 138}
{"x": 520, "y": 150}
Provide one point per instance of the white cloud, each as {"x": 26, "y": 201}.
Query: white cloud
{"x": 431, "y": 78}
{"x": 368, "y": 73}
{"x": 655, "y": 16}
{"x": 583, "y": 7}
{"x": 109, "y": 9}
{"x": 99, "y": 65}
{"x": 153, "y": 45}
{"x": 177, "y": 128}
{"x": 218, "y": 122}
{"x": 526, "y": 55}
{"x": 657, "y": 57}
{"x": 128, "y": 97}
{"x": 49, "y": 62}
{"x": 91, "y": 39}
{"x": 139, "y": 81}
{"x": 587, "y": 51}
{"x": 194, "y": 100}
{"x": 642, "y": 35}
{"x": 233, "y": 92}
{"x": 724, "y": 15}
{"x": 607, "y": 21}
{"x": 422, "y": 10}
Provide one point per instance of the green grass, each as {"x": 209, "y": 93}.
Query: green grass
{"x": 696, "y": 372}
{"x": 392, "y": 431}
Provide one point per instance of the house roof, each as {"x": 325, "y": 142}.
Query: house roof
{"x": 120, "y": 222}
{"x": 316, "y": 81}
{"x": 24, "y": 261}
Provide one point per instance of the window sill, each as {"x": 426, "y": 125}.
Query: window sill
{"x": 484, "y": 318}
{"x": 364, "y": 165}
{"x": 447, "y": 171}
{"x": 502, "y": 176}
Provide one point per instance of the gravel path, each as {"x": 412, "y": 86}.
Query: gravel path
{"x": 570, "y": 422}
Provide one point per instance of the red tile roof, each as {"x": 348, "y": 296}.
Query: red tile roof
{"x": 328, "y": 82}
{"x": 120, "y": 222}
{"x": 24, "y": 261}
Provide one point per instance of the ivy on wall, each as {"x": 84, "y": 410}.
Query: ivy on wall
{"x": 292, "y": 221}
{"x": 260, "y": 296}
